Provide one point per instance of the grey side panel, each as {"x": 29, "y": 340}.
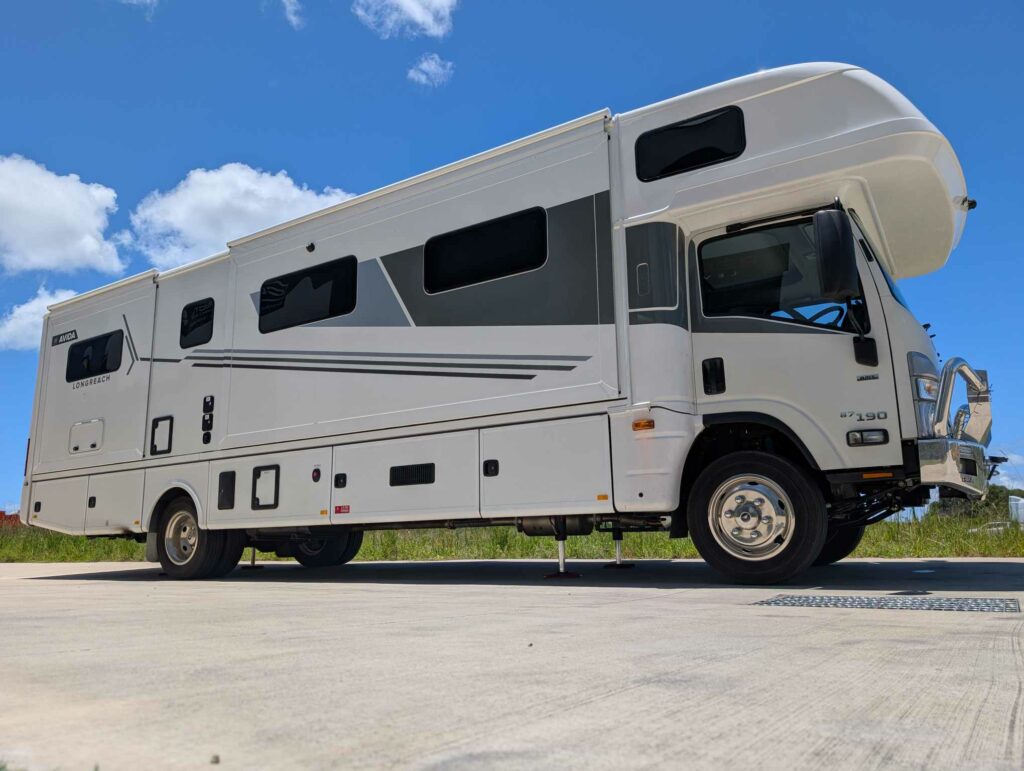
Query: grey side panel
{"x": 603, "y": 234}
{"x": 739, "y": 324}
{"x": 562, "y": 291}
{"x": 376, "y": 304}
{"x": 657, "y": 284}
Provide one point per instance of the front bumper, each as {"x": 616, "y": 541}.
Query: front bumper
{"x": 954, "y": 463}
{"x": 954, "y": 456}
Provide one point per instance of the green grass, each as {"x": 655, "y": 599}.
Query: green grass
{"x": 932, "y": 536}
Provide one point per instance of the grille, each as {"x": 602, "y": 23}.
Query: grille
{"x": 969, "y": 604}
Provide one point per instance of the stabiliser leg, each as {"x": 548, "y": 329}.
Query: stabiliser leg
{"x": 618, "y": 564}
{"x": 252, "y": 562}
{"x": 560, "y": 537}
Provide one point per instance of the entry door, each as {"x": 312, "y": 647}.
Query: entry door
{"x": 765, "y": 342}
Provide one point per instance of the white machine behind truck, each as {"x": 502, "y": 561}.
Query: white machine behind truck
{"x": 682, "y": 318}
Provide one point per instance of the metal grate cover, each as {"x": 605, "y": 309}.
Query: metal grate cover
{"x": 974, "y": 604}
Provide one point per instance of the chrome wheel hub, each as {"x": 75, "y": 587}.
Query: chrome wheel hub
{"x": 181, "y": 537}
{"x": 751, "y": 517}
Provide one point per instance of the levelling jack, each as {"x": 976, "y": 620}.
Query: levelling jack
{"x": 560, "y": 539}
{"x": 252, "y": 562}
{"x": 618, "y": 564}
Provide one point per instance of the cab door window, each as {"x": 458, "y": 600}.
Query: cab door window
{"x": 772, "y": 273}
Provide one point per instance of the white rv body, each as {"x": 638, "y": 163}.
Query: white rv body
{"x": 577, "y": 386}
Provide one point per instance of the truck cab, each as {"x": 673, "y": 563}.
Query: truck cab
{"x": 797, "y": 198}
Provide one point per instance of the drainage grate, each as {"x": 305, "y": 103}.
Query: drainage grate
{"x": 975, "y": 604}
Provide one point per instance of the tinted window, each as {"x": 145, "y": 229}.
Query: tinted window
{"x": 494, "y": 249}
{"x": 95, "y": 356}
{"x": 196, "y": 323}
{"x": 321, "y": 292}
{"x": 651, "y": 258}
{"x": 690, "y": 144}
{"x": 772, "y": 272}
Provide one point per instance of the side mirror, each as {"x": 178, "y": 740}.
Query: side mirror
{"x": 837, "y": 255}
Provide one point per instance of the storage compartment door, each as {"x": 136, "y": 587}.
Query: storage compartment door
{"x": 114, "y": 504}
{"x": 405, "y": 480}
{"x": 287, "y": 489}
{"x": 556, "y": 467}
{"x": 60, "y": 504}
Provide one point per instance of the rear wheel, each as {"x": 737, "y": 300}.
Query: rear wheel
{"x": 327, "y": 552}
{"x": 234, "y": 545}
{"x": 185, "y": 550}
{"x": 840, "y": 543}
{"x": 757, "y": 518}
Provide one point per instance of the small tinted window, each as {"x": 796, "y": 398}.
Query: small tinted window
{"x": 773, "y": 272}
{"x": 96, "y": 356}
{"x": 651, "y": 259}
{"x": 690, "y": 144}
{"x": 196, "y": 323}
{"x": 321, "y": 292}
{"x": 493, "y": 249}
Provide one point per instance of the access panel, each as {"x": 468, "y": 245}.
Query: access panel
{"x": 400, "y": 480}
{"x": 554, "y": 467}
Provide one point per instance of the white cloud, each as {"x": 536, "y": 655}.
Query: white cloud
{"x": 21, "y": 326}
{"x": 53, "y": 222}
{"x": 148, "y": 5}
{"x": 293, "y": 13}
{"x": 431, "y": 70}
{"x": 389, "y": 18}
{"x": 208, "y": 208}
{"x": 1011, "y": 473}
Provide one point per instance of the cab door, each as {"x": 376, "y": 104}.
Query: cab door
{"x": 768, "y": 347}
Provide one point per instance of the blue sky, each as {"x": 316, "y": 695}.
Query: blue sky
{"x": 189, "y": 122}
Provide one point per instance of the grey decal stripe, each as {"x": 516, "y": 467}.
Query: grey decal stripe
{"x": 161, "y": 361}
{"x": 474, "y": 356}
{"x": 131, "y": 345}
{"x": 359, "y": 371}
{"x": 456, "y": 365}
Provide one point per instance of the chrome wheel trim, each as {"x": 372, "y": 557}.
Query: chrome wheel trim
{"x": 751, "y": 517}
{"x": 181, "y": 537}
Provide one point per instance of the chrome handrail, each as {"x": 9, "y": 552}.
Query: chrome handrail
{"x": 974, "y": 420}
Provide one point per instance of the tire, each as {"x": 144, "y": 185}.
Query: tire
{"x": 186, "y": 551}
{"x": 840, "y": 543}
{"x": 234, "y": 545}
{"x": 328, "y": 552}
{"x": 728, "y": 524}
{"x": 355, "y": 542}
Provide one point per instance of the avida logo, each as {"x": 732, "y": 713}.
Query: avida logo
{"x": 65, "y": 337}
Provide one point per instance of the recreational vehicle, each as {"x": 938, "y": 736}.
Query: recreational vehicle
{"x": 683, "y": 318}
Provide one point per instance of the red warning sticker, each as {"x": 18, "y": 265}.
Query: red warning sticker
{"x": 342, "y": 509}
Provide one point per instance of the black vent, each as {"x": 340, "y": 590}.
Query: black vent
{"x": 416, "y": 474}
{"x": 226, "y": 490}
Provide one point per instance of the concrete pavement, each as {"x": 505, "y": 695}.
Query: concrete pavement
{"x": 486, "y": 664}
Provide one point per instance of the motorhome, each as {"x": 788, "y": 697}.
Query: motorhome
{"x": 683, "y": 318}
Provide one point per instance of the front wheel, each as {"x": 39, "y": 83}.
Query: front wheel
{"x": 757, "y": 518}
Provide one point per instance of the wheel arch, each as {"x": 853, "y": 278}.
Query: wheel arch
{"x": 176, "y": 489}
{"x": 729, "y": 432}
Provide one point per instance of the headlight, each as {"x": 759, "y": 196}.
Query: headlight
{"x": 927, "y": 388}
{"x": 925, "y": 382}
